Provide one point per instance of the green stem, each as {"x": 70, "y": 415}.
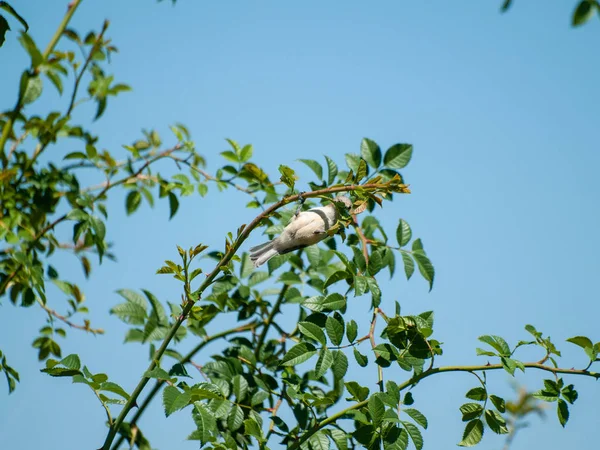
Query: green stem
{"x": 428, "y": 373}
{"x": 231, "y": 251}
{"x": 186, "y": 359}
{"x": 11, "y": 117}
{"x": 269, "y": 321}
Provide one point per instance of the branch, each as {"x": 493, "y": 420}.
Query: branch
{"x": 64, "y": 319}
{"x": 8, "y": 126}
{"x": 416, "y": 379}
{"x": 186, "y": 359}
{"x": 231, "y": 251}
{"x": 60, "y": 219}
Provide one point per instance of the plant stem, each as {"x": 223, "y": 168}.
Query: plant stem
{"x": 11, "y": 117}
{"x": 186, "y": 359}
{"x": 414, "y": 380}
{"x": 269, "y": 321}
{"x": 231, "y": 251}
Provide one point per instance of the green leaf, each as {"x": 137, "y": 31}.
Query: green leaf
{"x": 376, "y": 409}
{"x": 170, "y": 394}
{"x": 340, "y": 364}
{"x": 510, "y": 365}
{"x": 98, "y": 227}
{"x": 236, "y": 418}
{"x": 562, "y": 410}
{"x": 314, "y": 166}
{"x": 425, "y": 267}
{"x": 240, "y": 388}
{"x": 371, "y": 152}
{"x": 246, "y": 153}
{"x": 472, "y": 434}
{"x": 351, "y": 330}
{"x": 132, "y": 202}
{"x": 586, "y": 344}
{"x": 409, "y": 265}
{"x": 158, "y": 373}
{"x": 319, "y": 441}
{"x": 4, "y": 27}
{"x": 287, "y": 176}
{"x": 497, "y": 343}
{"x": 339, "y": 438}
{"x": 324, "y": 362}
{"x": 398, "y": 156}
{"x": 415, "y": 434}
{"x": 583, "y": 12}
{"x": 403, "y": 233}
{"x": 331, "y": 302}
{"x": 417, "y": 416}
{"x": 9, "y": 9}
{"x": 332, "y": 170}
{"x": 495, "y": 421}
{"x": 361, "y": 359}
{"x": 259, "y": 397}
{"x": 71, "y": 362}
{"x": 335, "y": 328}
{"x": 298, "y": 354}
{"x": 32, "y": 88}
{"x": 477, "y": 393}
{"x": 205, "y": 422}
{"x": 360, "y": 285}
{"x": 173, "y": 204}
{"x": 499, "y": 403}
{"x": 358, "y": 392}
{"x": 569, "y": 393}
{"x": 361, "y": 172}
{"x": 471, "y": 411}
{"x": 230, "y": 156}
{"x": 312, "y": 331}
{"x": 31, "y": 48}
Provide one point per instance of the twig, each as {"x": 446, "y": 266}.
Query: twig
{"x": 186, "y": 359}
{"x": 64, "y": 319}
{"x": 225, "y": 259}
{"x": 416, "y": 379}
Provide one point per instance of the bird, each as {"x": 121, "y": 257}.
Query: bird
{"x": 306, "y": 228}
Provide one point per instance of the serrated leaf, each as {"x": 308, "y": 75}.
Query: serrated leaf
{"x": 205, "y": 422}
{"x": 417, "y": 416}
{"x": 376, "y": 409}
{"x": 331, "y": 302}
{"x": 332, "y": 170}
{"x": 562, "y": 410}
{"x": 498, "y": 402}
{"x": 240, "y": 388}
{"x": 409, "y": 265}
{"x": 415, "y": 434}
{"x": 335, "y": 328}
{"x": 235, "y": 418}
{"x": 170, "y": 394}
{"x": 298, "y": 354}
{"x": 471, "y": 411}
{"x": 314, "y": 166}
{"x": 497, "y": 343}
{"x": 340, "y": 364}
{"x": 472, "y": 434}
{"x": 361, "y": 359}
{"x": 312, "y": 331}
{"x": 403, "y": 233}
{"x": 496, "y": 422}
{"x": 398, "y": 156}
{"x": 425, "y": 267}
{"x": 351, "y": 330}
{"x": 357, "y": 391}
{"x": 477, "y": 393}
{"x": 586, "y": 344}
{"x": 319, "y": 441}
{"x": 324, "y": 362}
{"x": 370, "y": 152}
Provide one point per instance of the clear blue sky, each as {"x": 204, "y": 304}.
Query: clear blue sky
{"x": 503, "y": 111}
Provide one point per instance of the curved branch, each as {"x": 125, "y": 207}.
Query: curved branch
{"x": 186, "y": 359}
{"x": 64, "y": 319}
{"x": 413, "y": 381}
{"x": 231, "y": 251}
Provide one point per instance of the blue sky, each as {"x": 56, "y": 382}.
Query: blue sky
{"x": 503, "y": 113}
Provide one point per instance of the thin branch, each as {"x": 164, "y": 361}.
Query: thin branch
{"x": 416, "y": 379}
{"x": 363, "y": 239}
{"x": 186, "y": 359}
{"x": 64, "y": 319}
{"x": 269, "y": 321}
{"x": 8, "y": 126}
{"x": 60, "y": 219}
{"x": 225, "y": 259}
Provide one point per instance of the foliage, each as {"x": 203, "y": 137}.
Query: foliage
{"x": 265, "y": 372}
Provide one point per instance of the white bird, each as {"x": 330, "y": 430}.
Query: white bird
{"x": 306, "y": 228}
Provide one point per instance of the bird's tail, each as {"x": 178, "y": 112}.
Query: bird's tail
{"x": 262, "y": 253}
